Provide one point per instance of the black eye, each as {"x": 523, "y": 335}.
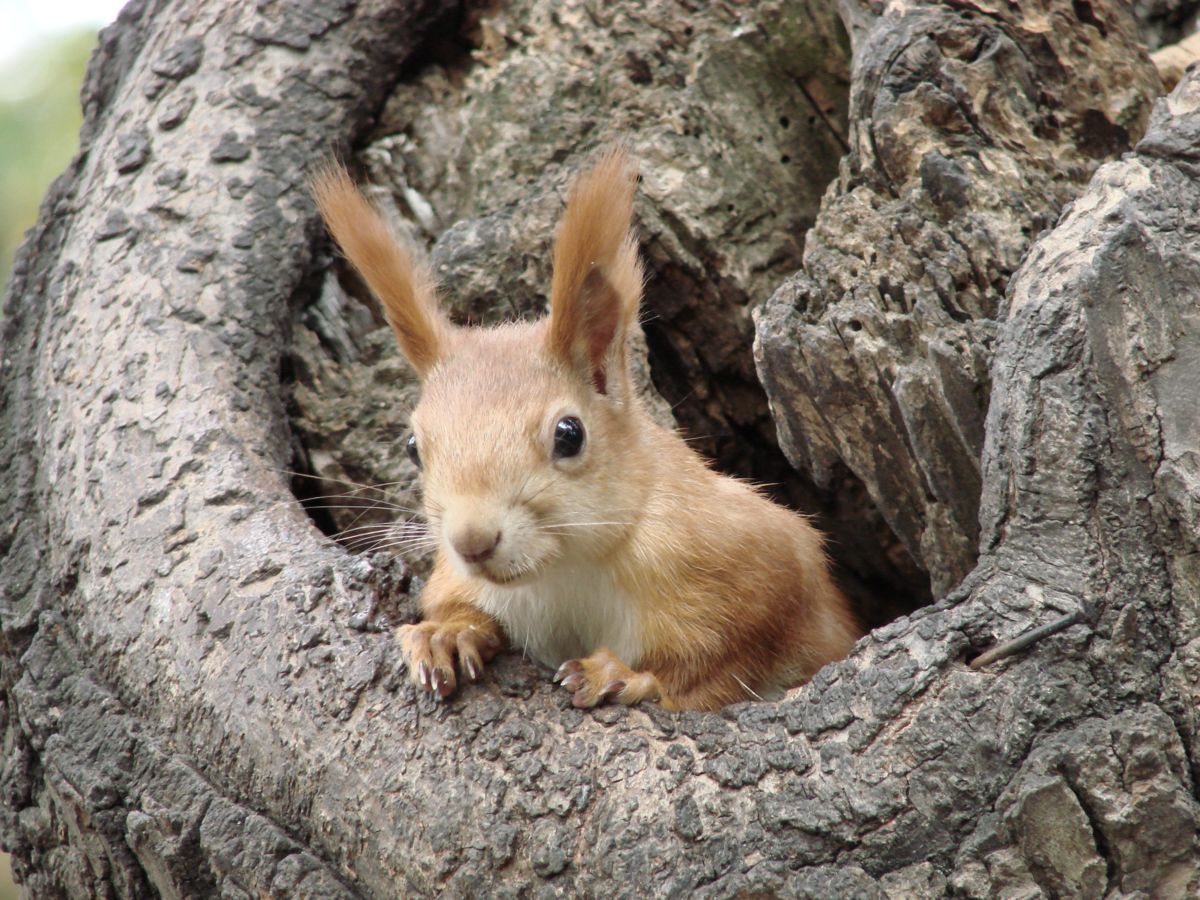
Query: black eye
{"x": 413, "y": 454}
{"x": 568, "y": 437}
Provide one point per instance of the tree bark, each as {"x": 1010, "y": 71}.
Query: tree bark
{"x": 197, "y": 702}
{"x": 970, "y": 129}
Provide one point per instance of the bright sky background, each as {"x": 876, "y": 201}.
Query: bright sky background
{"x": 23, "y": 20}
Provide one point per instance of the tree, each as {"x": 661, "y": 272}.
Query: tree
{"x": 196, "y": 700}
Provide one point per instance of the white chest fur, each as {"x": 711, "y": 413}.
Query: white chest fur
{"x": 568, "y": 612}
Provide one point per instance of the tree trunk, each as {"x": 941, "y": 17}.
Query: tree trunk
{"x": 197, "y": 696}
{"x": 969, "y": 132}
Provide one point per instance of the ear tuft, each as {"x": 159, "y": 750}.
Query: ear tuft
{"x": 597, "y": 282}
{"x": 403, "y": 287}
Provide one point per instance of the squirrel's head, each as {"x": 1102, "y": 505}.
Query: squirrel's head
{"x": 524, "y": 432}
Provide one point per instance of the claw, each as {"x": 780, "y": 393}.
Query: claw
{"x": 604, "y": 678}
{"x": 574, "y": 681}
{"x": 569, "y": 667}
{"x": 443, "y": 656}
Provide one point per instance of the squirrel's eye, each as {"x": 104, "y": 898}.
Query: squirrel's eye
{"x": 568, "y": 437}
{"x": 413, "y": 454}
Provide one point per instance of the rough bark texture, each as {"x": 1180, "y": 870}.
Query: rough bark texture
{"x": 969, "y": 130}
{"x": 1166, "y": 21}
{"x": 197, "y": 696}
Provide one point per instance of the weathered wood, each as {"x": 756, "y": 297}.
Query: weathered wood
{"x": 189, "y": 711}
{"x": 970, "y": 128}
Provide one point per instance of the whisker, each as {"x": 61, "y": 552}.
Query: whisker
{"x": 397, "y": 536}
{"x": 540, "y": 490}
{"x": 417, "y": 539}
{"x": 374, "y": 507}
{"x": 366, "y": 531}
{"x": 519, "y": 491}
{"x": 557, "y": 525}
{"x": 395, "y": 524}
{"x": 354, "y": 493}
{"x": 363, "y": 506}
{"x": 393, "y": 538}
{"x": 354, "y": 484}
{"x": 407, "y": 534}
{"x": 749, "y": 691}
{"x": 681, "y": 401}
{"x": 350, "y": 495}
{"x": 398, "y": 548}
{"x": 584, "y": 527}
{"x": 363, "y": 536}
{"x": 362, "y": 511}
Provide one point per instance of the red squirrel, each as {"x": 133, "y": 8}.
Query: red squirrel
{"x": 569, "y": 524}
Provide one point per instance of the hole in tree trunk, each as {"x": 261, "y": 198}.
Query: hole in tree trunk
{"x": 471, "y": 162}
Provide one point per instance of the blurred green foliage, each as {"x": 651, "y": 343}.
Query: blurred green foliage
{"x": 39, "y": 128}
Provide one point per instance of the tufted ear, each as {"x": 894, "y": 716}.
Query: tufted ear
{"x": 404, "y": 287}
{"x": 597, "y": 282}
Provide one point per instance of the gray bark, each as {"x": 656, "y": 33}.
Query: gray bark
{"x": 969, "y": 132}
{"x": 198, "y": 700}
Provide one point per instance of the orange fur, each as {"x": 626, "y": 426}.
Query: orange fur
{"x": 645, "y": 574}
{"x": 404, "y": 288}
{"x": 597, "y": 281}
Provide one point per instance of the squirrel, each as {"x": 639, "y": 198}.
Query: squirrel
{"x": 569, "y": 524}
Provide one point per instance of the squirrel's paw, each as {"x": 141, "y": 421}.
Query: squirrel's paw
{"x": 433, "y": 647}
{"x": 602, "y": 677}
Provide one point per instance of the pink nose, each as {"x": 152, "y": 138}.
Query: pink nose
{"x": 476, "y": 545}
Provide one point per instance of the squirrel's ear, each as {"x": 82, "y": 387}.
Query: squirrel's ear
{"x": 404, "y": 287}
{"x": 597, "y": 282}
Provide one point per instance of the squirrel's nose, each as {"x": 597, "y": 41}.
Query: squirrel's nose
{"x": 476, "y": 545}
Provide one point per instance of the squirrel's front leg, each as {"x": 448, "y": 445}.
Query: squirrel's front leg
{"x": 604, "y": 677}
{"x": 453, "y": 630}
